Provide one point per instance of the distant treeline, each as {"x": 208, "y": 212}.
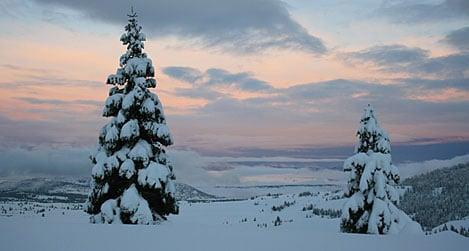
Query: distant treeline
{"x": 438, "y": 196}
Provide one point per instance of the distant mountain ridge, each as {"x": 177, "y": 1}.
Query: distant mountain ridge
{"x": 72, "y": 190}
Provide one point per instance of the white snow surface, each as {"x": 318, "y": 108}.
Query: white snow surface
{"x": 153, "y": 175}
{"x": 112, "y": 134}
{"x": 132, "y": 202}
{"x": 127, "y": 169}
{"x": 141, "y": 151}
{"x": 130, "y": 130}
{"x": 148, "y": 106}
{"x": 137, "y": 66}
{"x": 455, "y": 223}
{"x": 130, "y": 199}
{"x": 110, "y": 211}
{"x": 209, "y": 226}
{"x": 411, "y": 169}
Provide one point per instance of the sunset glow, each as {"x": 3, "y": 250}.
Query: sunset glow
{"x": 56, "y": 58}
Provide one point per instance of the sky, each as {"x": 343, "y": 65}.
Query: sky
{"x": 237, "y": 74}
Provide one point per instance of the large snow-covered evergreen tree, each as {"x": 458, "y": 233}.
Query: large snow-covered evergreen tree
{"x": 132, "y": 178}
{"x": 372, "y": 198}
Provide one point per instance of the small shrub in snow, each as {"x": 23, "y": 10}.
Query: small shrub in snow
{"x": 304, "y": 194}
{"x": 283, "y": 206}
{"x": 277, "y": 221}
{"x": 330, "y": 213}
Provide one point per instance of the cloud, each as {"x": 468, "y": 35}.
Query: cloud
{"x": 327, "y": 90}
{"x": 329, "y": 106}
{"x": 306, "y": 102}
{"x": 185, "y": 74}
{"x": 189, "y": 167}
{"x": 411, "y": 60}
{"x": 245, "y": 110}
{"x": 35, "y": 101}
{"x": 32, "y": 77}
{"x": 45, "y": 161}
{"x": 412, "y": 12}
{"x": 454, "y": 65}
{"x": 69, "y": 160}
{"x": 289, "y": 117}
{"x": 459, "y": 39}
{"x": 197, "y": 93}
{"x": 59, "y": 126}
{"x": 241, "y": 26}
{"x": 72, "y": 161}
{"x": 34, "y": 81}
{"x": 268, "y": 116}
{"x": 243, "y": 80}
{"x": 432, "y": 84}
{"x": 204, "y": 83}
{"x": 23, "y": 69}
{"x": 388, "y": 55}
{"x": 214, "y": 77}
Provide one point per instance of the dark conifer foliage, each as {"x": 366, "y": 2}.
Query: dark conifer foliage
{"x": 132, "y": 177}
{"x": 371, "y": 207}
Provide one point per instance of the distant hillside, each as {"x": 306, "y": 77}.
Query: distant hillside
{"x": 438, "y": 196}
{"x": 190, "y": 193}
{"x": 72, "y": 190}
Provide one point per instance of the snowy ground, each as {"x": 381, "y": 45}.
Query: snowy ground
{"x": 232, "y": 225}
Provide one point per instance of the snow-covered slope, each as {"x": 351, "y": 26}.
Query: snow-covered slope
{"x": 230, "y": 225}
{"x": 188, "y": 193}
{"x": 412, "y": 169}
{"x": 438, "y": 196}
{"x": 283, "y": 220}
{"x": 458, "y": 226}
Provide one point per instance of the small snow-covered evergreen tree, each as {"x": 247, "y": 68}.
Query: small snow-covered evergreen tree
{"x": 132, "y": 178}
{"x": 372, "y": 198}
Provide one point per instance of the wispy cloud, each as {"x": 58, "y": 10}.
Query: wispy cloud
{"x": 386, "y": 55}
{"x": 246, "y": 26}
{"x": 29, "y": 76}
{"x": 197, "y": 93}
{"x": 417, "y": 12}
{"x": 59, "y": 127}
{"x": 411, "y": 101}
{"x": 186, "y": 74}
{"x": 32, "y": 100}
{"x": 411, "y": 60}
{"x": 459, "y": 39}
{"x": 45, "y": 161}
{"x": 204, "y": 83}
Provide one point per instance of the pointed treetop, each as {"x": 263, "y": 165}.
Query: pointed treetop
{"x": 368, "y": 121}
{"x": 132, "y": 13}
{"x": 133, "y": 38}
{"x": 368, "y": 112}
{"x": 370, "y": 135}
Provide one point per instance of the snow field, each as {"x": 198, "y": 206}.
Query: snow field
{"x": 230, "y": 225}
